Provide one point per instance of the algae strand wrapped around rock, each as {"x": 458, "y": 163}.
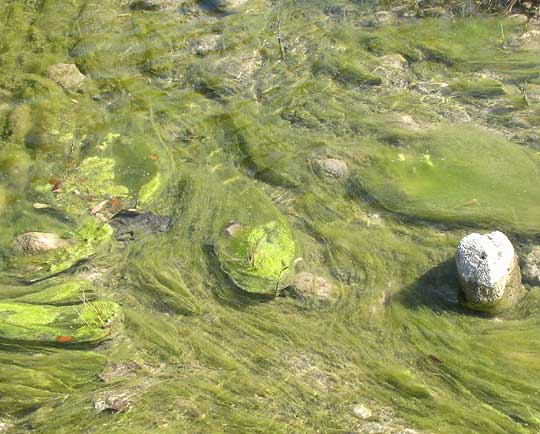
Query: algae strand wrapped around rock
{"x": 257, "y": 258}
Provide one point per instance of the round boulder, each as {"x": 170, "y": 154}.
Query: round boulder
{"x": 331, "y": 168}
{"x": 38, "y": 242}
{"x": 488, "y": 271}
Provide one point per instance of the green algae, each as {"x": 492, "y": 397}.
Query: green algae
{"x": 233, "y": 147}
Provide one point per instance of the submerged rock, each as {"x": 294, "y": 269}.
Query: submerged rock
{"x": 361, "y": 412}
{"x": 33, "y": 261}
{"x": 205, "y": 44}
{"x": 144, "y": 5}
{"x": 530, "y": 41}
{"x": 488, "y": 271}
{"x": 38, "y": 242}
{"x": 531, "y": 266}
{"x": 332, "y": 167}
{"x": 130, "y": 225}
{"x": 66, "y": 75}
{"x": 454, "y": 174}
{"x": 308, "y": 286}
{"x": 223, "y": 5}
{"x": 112, "y": 402}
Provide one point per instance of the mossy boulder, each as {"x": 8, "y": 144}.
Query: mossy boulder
{"x": 481, "y": 88}
{"x": 85, "y": 323}
{"x": 457, "y": 174}
{"x": 76, "y": 246}
{"x": 257, "y": 258}
{"x": 84, "y": 187}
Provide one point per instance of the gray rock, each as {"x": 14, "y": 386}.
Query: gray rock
{"x": 332, "y": 167}
{"x": 531, "y": 266}
{"x": 308, "y": 286}
{"x": 4, "y": 426}
{"x": 488, "y": 270}
{"x": 232, "y": 229}
{"x": 38, "y": 242}
{"x": 144, "y": 5}
{"x": 519, "y": 19}
{"x": 112, "y": 402}
{"x": 205, "y": 44}
{"x": 530, "y": 41}
{"x": 66, "y": 75}
{"x": 361, "y": 412}
{"x": 223, "y": 5}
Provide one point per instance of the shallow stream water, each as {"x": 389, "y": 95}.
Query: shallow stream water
{"x": 211, "y": 113}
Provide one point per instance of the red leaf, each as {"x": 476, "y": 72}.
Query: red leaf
{"x": 64, "y": 339}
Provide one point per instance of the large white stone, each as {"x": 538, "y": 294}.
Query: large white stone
{"x": 488, "y": 268}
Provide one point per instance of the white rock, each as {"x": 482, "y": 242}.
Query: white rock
{"x": 488, "y": 268}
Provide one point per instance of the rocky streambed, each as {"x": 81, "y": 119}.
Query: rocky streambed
{"x": 269, "y": 217}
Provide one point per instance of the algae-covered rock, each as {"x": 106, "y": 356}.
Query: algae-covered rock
{"x": 481, "y": 88}
{"x": 82, "y": 243}
{"x": 66, "y": 75}
{"x": 82, "y": 188}
{"x": 488, "y": 270}
{"x": 85, "y": 323}
{"x": 258, "y": 258}
{"x": 456, "y": 174}
{"x": 16, "y": 163}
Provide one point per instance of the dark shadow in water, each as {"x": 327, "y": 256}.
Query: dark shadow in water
{"x": 437, "y": 289}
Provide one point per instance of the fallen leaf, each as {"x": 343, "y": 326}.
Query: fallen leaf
{"x": 115, "y": 203}
{"x": 153, "y": 157}
{"x": 56, "y": 187}
{"x": 64, "y": 339}
{"x": 38, "y": 205}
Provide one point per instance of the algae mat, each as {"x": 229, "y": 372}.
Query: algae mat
{"x": 337, "y": 139}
